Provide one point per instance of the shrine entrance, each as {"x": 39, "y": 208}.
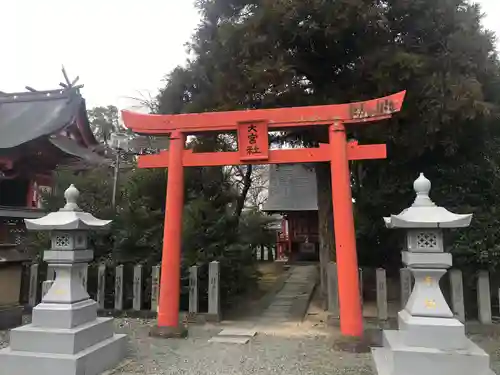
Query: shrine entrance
{"x": 252, "y": 127}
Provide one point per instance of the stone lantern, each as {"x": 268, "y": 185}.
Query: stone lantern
{"x": 65, "y": 337}
{"x": 430, "y": 340}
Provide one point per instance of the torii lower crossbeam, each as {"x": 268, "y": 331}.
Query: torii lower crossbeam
{"x": 298, "y": 155}
{"x": 252, "y": 128}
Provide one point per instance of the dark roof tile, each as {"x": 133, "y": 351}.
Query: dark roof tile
{"x": 30, "y": 115}
{"x": 292, "y": 187}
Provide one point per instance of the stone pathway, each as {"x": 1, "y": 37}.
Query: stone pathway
{"x": 292, "y": 301}
{"x": 287, "y": 308}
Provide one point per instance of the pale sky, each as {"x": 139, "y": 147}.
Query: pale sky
{"x": 119, "y": 48}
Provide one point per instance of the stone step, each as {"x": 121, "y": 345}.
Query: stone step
{"x": 238, "y": 332}
{"x": 30, "y": 338}
{"x": 278, "y": 303}
{"x": 230, "y": 339}
{"x": 275, "y": 313}
{"x": 279, "y": 308}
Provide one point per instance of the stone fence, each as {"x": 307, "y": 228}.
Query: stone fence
{"x": 134, "y": 288}
{"x": 382, "y": 296}
{"x": 114, "y": 287}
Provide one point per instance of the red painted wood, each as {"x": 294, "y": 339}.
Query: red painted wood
{"x": 297, "y": 155}
{"x": 168, "y": 311}
{"x": 371, "y": 110}
{"x": 338, "y": 152}
{"x": 351, "y": 318}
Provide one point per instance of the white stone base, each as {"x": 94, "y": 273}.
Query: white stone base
{"x": 30, "y": 338}
{"x": 58, "y": 315}
{"x": 92, "y": 361}
{"x": 397, "y": 358}
{"x": 439, "y": 333}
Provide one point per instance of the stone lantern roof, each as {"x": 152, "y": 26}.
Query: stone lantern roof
{"x": 70, "y": 217}
{"x": 424, "y": 213}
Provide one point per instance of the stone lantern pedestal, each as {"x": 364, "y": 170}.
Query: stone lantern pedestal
{"x": 11, "y": 312}
{"x": 430, "y": 340}
{"x": 65, "y": 337}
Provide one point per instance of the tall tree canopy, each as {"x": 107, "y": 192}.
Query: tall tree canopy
{"x": 271, "y": 53}
{"x": 104, "y": 122}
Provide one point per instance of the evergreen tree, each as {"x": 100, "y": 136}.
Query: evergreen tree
{"x": 273, "y": 53}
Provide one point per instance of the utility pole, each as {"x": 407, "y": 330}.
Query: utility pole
{"x": 118, "y": 142}
{"x": 115, "y": 179}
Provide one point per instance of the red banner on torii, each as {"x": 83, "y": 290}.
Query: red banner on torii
{"x": 252, "y": 127}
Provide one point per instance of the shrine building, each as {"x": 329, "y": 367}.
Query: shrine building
{"x": 293, "y": 194}
{"x": 39, "y": 130}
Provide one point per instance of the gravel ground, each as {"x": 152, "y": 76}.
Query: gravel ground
{"x": 287, "y": 349}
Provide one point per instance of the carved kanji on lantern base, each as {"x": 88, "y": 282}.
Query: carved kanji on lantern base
{"x": 252, "y": 127}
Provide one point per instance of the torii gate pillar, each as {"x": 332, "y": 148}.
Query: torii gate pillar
{"x": 345, "y": 237}
{"x": 168, "y": 311}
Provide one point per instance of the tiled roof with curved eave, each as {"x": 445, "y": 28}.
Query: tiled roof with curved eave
{"x": 30, "y": 115}
{"x": 292, "y": 187}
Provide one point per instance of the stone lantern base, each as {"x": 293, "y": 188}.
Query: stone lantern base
{"x": 431, "y": 346}
{"x": 87, "y": 346}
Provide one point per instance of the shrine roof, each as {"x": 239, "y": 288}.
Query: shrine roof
{"x": 292, "y": 187}
{"x": 27, "y": 116}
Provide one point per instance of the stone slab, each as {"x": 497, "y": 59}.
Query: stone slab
{"x": 30, "y": 338}
{"x": 301, "y": 304}
{"x": 238, "y": 332}
{"x": 457, "y": 294}
{"x": 228, "y": 340}
{"x": 484, "y": 297}
{"x": 92, "y": 361}
{"x": 381, "y": 288}
{"x": 406, "y": 285}
{"x": 332, "y": 289}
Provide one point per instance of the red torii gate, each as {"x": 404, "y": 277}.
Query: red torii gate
{"x": 252, "y": 127}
